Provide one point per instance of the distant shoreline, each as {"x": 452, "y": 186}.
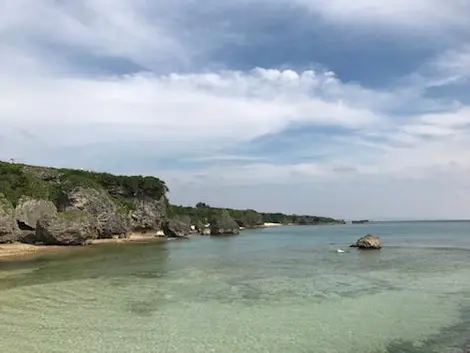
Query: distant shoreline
{"x": 270, "y": 224}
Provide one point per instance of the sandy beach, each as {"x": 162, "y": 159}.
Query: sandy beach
{"x": 18, "y": 250}
{"x": 267, "y": 225}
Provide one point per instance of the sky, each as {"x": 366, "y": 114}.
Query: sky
{"x": 350, "y": 109}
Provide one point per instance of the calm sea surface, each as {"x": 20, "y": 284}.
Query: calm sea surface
{"x": 277, "y": 290}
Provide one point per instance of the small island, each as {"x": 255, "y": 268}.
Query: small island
{"x": 56, "y": 206}
{"x": 362, "y": 221}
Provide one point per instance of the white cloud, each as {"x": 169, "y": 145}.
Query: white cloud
{"x": 50, "y": 111}
{"x": 137, "y": 30}
{"x": 222, "y": 109}
{"x": 417, "y": 14}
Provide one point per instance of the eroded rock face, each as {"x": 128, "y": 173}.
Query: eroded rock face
{"x": 29, "y": 211}
{"x": 368, "y": 242}
{"x": 67, "y": 228}
{"x": 149, "y": 214}
{"x": 111, "y": 221}
{"x": 8, "y": 229}
{"x": 177, "y": 228}
{"x": 224, "y": 224}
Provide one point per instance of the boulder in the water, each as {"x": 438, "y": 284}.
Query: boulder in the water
{"x": 368, "y": 242}
{"x": 223, "y": 224}
{"x": 177, "y": 228}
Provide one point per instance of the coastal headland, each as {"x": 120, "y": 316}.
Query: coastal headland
{"x": 43, "y": 208}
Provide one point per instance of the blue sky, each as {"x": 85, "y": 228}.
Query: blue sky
{"x": 332, "y": 107}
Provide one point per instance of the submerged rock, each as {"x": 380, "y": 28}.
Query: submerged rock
{"x": 368, "y": 242}
{"x": 67, "y": 228}
{"x": 224, "y": 224}
{"x": 8, "y": 229}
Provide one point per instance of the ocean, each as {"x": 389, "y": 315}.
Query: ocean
{"x": 276, "y": 290}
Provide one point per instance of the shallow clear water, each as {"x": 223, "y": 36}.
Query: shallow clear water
{"x": 274, "y": 290}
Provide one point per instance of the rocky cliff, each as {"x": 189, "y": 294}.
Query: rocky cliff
{"x": 68, "y": 207}
{"x": 72, "y": 207}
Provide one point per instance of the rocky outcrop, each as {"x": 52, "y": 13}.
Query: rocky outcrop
{"x": 8, "y": 229}
{"x": 177, "y": 228}
{"x": 148, "y": 215}
{"x": 67, "y": 228}
{"x": 224, "y": 224}
{"x": 29, "y": 211}
{"x": 204, "y": 231}
{"x": 111, "y": 221}
{"x": 368, "y": 242}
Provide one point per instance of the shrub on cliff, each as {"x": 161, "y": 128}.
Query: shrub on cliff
{"x": 17, "y": 180}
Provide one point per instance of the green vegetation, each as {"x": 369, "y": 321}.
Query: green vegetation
{"x": 17, "y": 180}
{"x": 298, "y": 219}
{"x": 203, "y": 213}
{"x": 116, "y": 185}
{"x": 15, "y": 183}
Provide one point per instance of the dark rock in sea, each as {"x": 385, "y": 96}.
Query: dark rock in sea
{"x": 224, "y": 224}
{"x": 368, "y": 242}
{"x": 8, "y": 229}
{"x": 111, "y": 221}
{"x": 176, "y": 228}
{"x": 67, "y": 228}
{"x": 148, "y": 215}
{"x": 29, "y": 211}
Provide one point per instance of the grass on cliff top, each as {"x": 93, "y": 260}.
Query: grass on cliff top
{"x": 17, "y": 180}
{"x": 203, "y": 213}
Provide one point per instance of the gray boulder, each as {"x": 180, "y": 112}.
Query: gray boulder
{"x": 368, "y": 242}
{"x": 29, "y": 211}
{"x": 224, "y": 224}
{"x": 8, "y": 229}
{"x": 177, "y": 228}
{"x": 67, "y": 228}
{"x": 111, "y": 220}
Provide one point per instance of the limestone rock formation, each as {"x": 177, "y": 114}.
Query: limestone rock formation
{"x": 8, "y": 228}
{"x": 149, "y": 214}
{"x": 67, "y": 228}
{"x": 177, "y": 228}
{"x": 111, "y": 220}
{"x": 368, "y": 242}
{"x": 224, "y": 224}
{"x": 29, "y": 211}
{"x": 205, "y": 231}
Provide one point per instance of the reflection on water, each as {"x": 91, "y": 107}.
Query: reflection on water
{"x": 275, "y": 290}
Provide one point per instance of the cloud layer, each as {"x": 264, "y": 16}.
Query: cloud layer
{"x": 138, "y": 87}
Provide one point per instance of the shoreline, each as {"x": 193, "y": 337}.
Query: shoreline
{"x": 20, "y": 250}
{"x": 270, "y": 225}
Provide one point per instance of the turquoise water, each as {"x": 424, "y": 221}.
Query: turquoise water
{"x": 273, "y": 290}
